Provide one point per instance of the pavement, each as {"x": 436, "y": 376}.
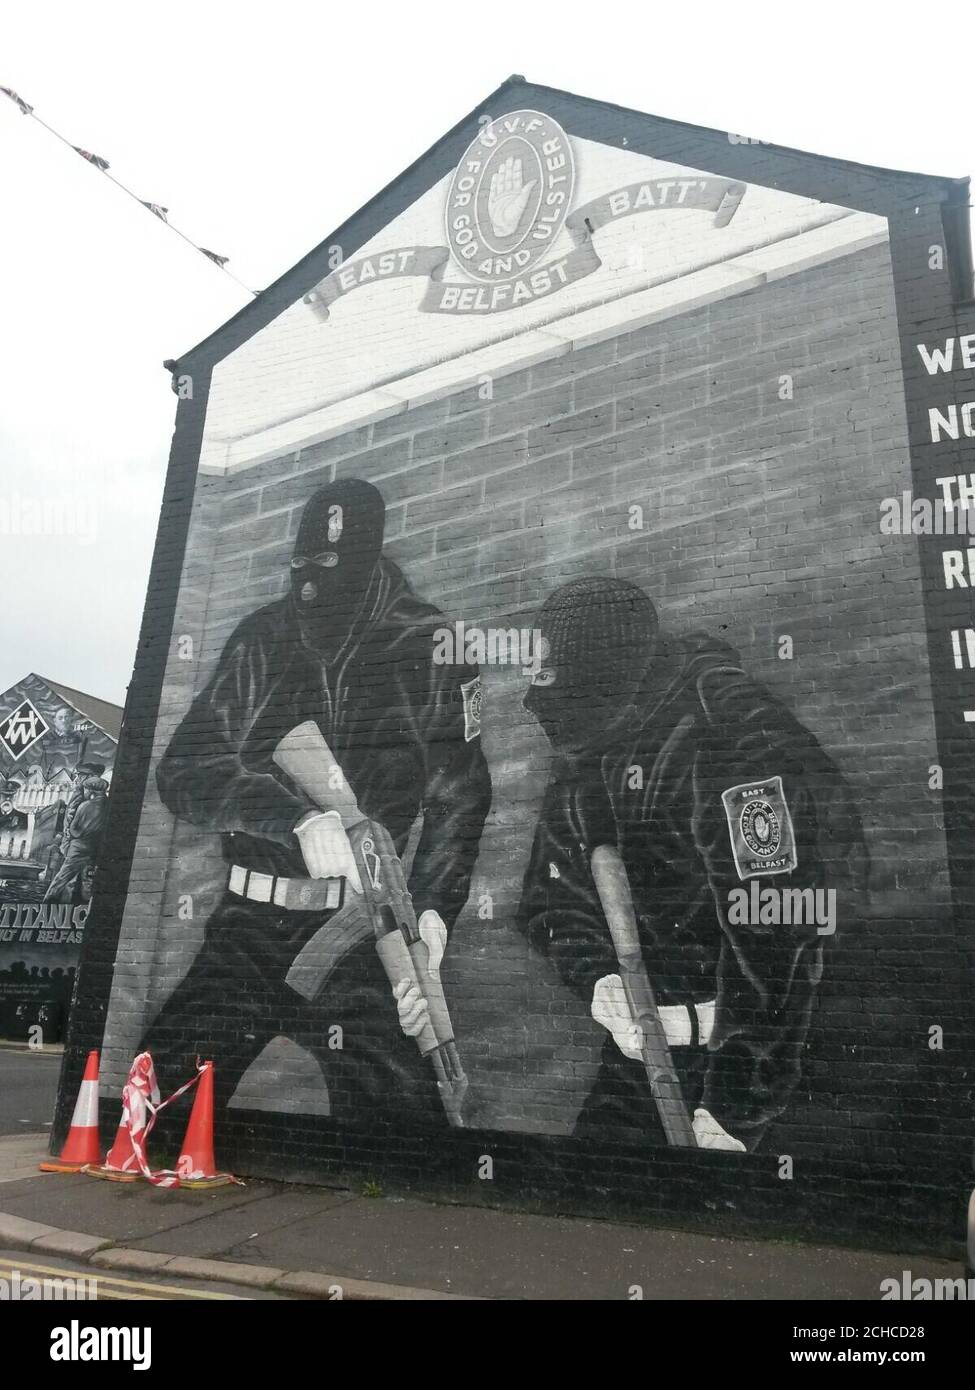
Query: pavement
{"x": 329, "y": 1243}
{"x": 271, "y": 1240}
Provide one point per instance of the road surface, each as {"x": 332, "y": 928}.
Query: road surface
{"x": 28, "y": 1090}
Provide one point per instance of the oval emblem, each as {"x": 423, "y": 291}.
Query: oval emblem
{"x": 509, "y": 196}
{"x": 760, "y": 828}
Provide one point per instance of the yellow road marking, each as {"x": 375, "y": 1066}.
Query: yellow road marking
{"x": 107, "y": 1296}
{"x": 111, "y": 1286}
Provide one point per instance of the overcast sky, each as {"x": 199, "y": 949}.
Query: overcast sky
{"x": 261, "y": 128}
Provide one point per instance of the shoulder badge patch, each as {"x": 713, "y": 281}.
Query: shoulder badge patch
{"x": 762, "y": 838}
{"x": 471, "y": 691}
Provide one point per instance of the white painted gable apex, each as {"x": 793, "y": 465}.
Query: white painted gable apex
{"x": 305, "y": 377}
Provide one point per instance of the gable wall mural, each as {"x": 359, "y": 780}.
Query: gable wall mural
{"x": 544, "y": 762}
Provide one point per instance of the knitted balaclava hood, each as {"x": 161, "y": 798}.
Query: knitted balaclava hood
{"x": 339, "y": 541}
{"x": 599, "y": 635}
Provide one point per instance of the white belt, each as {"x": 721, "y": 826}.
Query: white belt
{"x": 676, "y": 1019}
{"x": 299, "y": 894}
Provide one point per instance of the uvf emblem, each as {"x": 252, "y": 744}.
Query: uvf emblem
{"x": 760, "y": 828}
{"x": 509, "y": 196}
{"x": 22, "y": 729}
{"x": 762, "y": 837}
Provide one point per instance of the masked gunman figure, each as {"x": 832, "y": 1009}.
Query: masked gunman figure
{"x": 711, "y": 791}
{"x": 350, "y": 648}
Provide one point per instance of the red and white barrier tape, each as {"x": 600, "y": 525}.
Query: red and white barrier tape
{"x": 140, "y": 1106}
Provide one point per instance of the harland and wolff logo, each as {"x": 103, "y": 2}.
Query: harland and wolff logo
{"x": 509, "y": 199}
{"x": 21, "y": 729}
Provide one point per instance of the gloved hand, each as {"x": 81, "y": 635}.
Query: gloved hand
{"x": 325, "y": 847}
{"x": 609, "y": 1008}
{"x": 710, "y": 1135}
{"x": 412, "y": 1007}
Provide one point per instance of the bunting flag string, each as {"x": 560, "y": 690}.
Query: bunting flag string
{"x": 25, "y": 110}
{"x": 103, "y": 166}
{"x": 95, "y": 159}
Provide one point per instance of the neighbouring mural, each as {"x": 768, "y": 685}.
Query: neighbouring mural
{"x": 548, "y": 741}
{"x": 55, "y": 771}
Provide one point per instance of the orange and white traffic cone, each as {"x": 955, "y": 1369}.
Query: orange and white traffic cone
{"x": 197, "y": 1166}
{"x": 122, "y": 1164}
{"x": 81, "y": 1146}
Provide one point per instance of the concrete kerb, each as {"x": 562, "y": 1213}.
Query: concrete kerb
{"x": 20, "y": 1234}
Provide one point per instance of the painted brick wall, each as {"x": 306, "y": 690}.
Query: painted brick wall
{"x": 760, "y": 520}
{"x": 760, "y": 515}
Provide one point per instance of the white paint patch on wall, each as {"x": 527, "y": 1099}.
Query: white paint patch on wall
{"x": 377, "y": 336}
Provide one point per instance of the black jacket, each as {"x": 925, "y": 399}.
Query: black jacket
{"x": 394, "y": 720}
{"x": 698, "y": 727}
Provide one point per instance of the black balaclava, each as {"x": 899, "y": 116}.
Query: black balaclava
{"x": 600, "y": 635}
{"x": 340, "y": 539}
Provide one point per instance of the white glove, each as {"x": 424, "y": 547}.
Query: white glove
{"x": 413, "y": 1009}
{"x": 433, "y": 934}
{"x": 710, "y": 1135}
{"x": 325, "y": 847}
{"x": 609, "y": 1008}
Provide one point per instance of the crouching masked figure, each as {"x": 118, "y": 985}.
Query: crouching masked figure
{"x": 351, "y": 649}
{"x": 711, "y": 791}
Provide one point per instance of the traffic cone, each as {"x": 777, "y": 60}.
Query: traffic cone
{"x": 121, "y": 1165}
{"x": 81, "y": 1146}
{"x": 197, "y": 1166}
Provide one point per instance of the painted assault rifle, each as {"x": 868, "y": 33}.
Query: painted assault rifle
{"x": 612, "y": 885}
{"x": 307, "y": 759}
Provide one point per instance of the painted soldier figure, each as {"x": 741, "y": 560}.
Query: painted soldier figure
{"x": 711, "y": 791}
{"x": 351, "y": 649}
